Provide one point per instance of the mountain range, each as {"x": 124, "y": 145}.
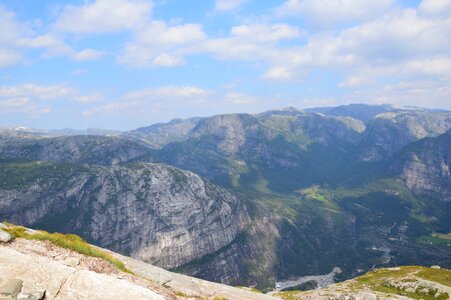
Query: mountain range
{"x": 245, "y": 199}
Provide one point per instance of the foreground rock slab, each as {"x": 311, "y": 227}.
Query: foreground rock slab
{"x": 190, "y": 287}
{"x": 59, "y": 281}
{"x": 10, "y": 289}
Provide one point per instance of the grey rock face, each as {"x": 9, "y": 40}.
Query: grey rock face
{"x": 425, "y": 166}
{"x": 158, "y": 135}
{"x": 231, "y": 131}
{"x": 74, "y": 149}
{"x": 329, "y": 130}
{"x": 152, "y": 212}
{"x": 4, "y": 236}
{"x": 363, "y": 112}
{"x": 389, "y": 132}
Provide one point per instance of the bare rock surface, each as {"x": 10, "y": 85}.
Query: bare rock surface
{"x": 4, "y": 236}
{"x": 190, "y": 286}
{"x": 424, "y": 167}
{"x": 40, "y": 265}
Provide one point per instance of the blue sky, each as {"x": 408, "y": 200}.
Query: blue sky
{"x": 120, "y": 64}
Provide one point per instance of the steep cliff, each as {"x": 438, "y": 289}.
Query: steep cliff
{"x": 153, "y": 212}
{"x": 101, "y": 150}
{"x": 424, "y": 166}
{"x": 387, "y": 133}
{"x": 158, "y": 135}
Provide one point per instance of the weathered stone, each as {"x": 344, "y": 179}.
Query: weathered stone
{"x": 71, "y": 261}
{"x": 32, "y": 296}
{"x": 10, "y": 289}
{"x": 366, "y": 296}
{"x": 3, "y": 226}
{"x": 34, "y": 271}
{"x": 4, "y": 236}
{"x": 90, "y": 285}
{"x": 57, "y": 281}
{"x": 435, "y": 267}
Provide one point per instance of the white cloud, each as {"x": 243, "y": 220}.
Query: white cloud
{"x": 166, "y": 60}
{"x": 278, "y": 73}
{"x": 356, "y": 81}
{"x": 421, "y": 92}
{"x": 156, "y": 44}
{"x": 264, "y": 33}
{"x": 10, "y": 32}
{"x": 9, "y": 57}
{"x": 29, "y": 92}
{"x": 104, "y": 16}
{"x": 329, "y": 12}
{"x": 152, "y": 100}
{"x": 37, "y": 91}
{"x": 10, "y": 29}
{"x": 388, "y": 46}
{"x": 251, "y": 41}
{"x": 239, "y": 98}
{"x": 170, "y": 92}
{"x": 225, "y": 5}
{"x": 54, "y": 45}
{"x": 109, "y": 109}
{"x": 22, "y": 105}
{"x": 88, "y": 54}
{"x": 14, "y": 102}
{"x": 438, "y": 8}
{"x": 91, "y": 98}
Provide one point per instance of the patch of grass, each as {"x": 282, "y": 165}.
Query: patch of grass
{"x": 68, "y": 241}
{"x": 314, "y": 193}
{"x": 433, "y": 240}
{"x": 376, "y": 280}
{"x": 184, "y": 295}
{"x": 252, "y": 289}
{"x": 291, "y": 295}
{"x": 442, "y": 276}
{"x": 442, "y": 236}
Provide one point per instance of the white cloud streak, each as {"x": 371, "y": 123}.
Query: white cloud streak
{"x": 227, "y": 5}
{"x": 325, "y": 13}
{"x": 103, "y": 16}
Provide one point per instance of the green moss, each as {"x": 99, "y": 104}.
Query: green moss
{"x": 69, "y": 241}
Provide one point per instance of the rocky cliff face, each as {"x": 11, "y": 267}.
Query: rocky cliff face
{"x": 152, "y": 212}
{"x": 228, "y": 133}
{"x": 387, "y": 133}
{"x": 101, "y": 150}
{"x": 361, "y": 112}
{"x": 158, "y": 135}
{"x": 425, "y": 166}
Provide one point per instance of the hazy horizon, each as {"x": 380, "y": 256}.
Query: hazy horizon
{"x": 206, "y": 116}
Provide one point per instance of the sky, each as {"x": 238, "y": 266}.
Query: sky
{"x": 122, "y": 64}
